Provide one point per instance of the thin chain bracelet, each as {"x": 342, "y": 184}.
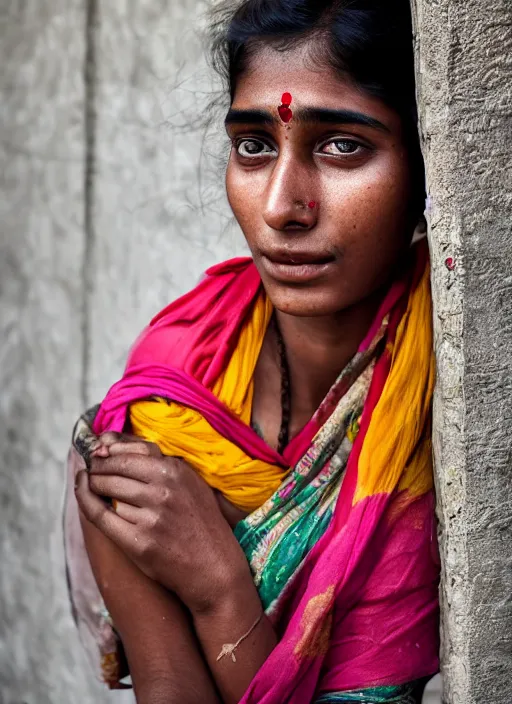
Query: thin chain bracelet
{"x": 229, "y": 648}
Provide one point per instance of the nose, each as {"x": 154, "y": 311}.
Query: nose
{"x": 290, "y": 198}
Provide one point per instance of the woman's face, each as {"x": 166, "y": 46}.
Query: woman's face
{"x": 323, "y": 198}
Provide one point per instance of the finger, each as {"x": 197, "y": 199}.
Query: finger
{"x": 103, "y": 444}
{"x": 132, "y": 466}
{"x": 140, "y": 447}
{"x": 122, "y": 489}
{"x": 109, "y": 438}
{"x": 103, "y": 517}
{"x": 101, "y": 451}
{"x": 127, "y": 512}
{"x": 92, "y": 441}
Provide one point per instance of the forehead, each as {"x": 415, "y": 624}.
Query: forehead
{"x": 271, "y": 73}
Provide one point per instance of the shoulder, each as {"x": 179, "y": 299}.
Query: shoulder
{"x": 182, "y": 331}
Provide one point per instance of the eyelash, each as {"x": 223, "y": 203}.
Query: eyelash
{"x": 237, "y": 143}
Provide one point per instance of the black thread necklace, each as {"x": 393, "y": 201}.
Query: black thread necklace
{"x": 284, "y": 430}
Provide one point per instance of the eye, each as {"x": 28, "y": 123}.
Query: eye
{"x": 341, "y": 147}
{"x": 252, "y": 148}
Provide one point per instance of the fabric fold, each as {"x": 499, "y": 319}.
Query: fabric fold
{"x": 341, "y": 535}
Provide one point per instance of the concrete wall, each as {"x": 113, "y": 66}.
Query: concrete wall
{"x": 464, "y": 51}
{"x": 42, "y": 147}
{"x": 111, "y": 206}
{"x": 159, "y": 213}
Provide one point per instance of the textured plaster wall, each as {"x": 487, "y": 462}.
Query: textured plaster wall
{"x": 105, "y": 218}
{"x": 159, "y": 213}
{"x": 42, "y": 149}
{"x": 464, "y": 51}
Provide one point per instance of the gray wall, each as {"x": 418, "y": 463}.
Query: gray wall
{"x": 104, "y": 221}
{"x": 111, "y": 206}
{"x": 42, "y": 146}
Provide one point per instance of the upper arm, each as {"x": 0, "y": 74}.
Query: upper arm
{"x": 155, "y": 630}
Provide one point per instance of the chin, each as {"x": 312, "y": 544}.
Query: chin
{"x": 306, "y": 302}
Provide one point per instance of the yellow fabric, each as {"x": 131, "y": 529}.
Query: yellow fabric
{"x": 183, "y": 432}
{"x": 394, "y": 439}
{"x": 398, "y": 436}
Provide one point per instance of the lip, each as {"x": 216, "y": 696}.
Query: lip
{"x": 296, "y": 266}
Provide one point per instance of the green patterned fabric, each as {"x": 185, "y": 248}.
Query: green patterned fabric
{"x": 277, "y": 537}
{"x": 404, "y": 694}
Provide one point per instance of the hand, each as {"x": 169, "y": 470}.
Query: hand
{"x": 231, "y": 513}
{"x": 167, "y": 520}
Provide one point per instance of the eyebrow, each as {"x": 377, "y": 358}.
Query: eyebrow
{"x": 249, "y": 117}
{"x": 308, "y": 115}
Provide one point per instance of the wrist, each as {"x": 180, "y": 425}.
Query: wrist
{"x": 236, "y": 638}
{"x": 232, "y": 591}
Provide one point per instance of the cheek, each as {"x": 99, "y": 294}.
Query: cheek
{"x": 371, "y": 205}
{"x": 372, "y": 228}
{"x": 242, "y": 199}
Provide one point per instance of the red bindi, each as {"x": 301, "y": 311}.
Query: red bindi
{"x": 285, "y": 113}
{"x": 284, "y": 110}
{"x": 450, "y": 263}
{"x": 312, "y": 204}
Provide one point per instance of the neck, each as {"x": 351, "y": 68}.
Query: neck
{"x": 318, "y": 348}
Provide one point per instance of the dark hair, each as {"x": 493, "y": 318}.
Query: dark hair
{"x": 368, "y": 40}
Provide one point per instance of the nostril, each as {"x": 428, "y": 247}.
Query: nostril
{"x": 296, "y": 225}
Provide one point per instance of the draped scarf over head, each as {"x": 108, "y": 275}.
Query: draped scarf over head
{"x": 341, "y": 535}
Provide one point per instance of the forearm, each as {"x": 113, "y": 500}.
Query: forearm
{"x": 164, "y": 656}
{"x": 224, "y": 624}
{"x": 166, "y": 663}
{"x": 162, "y": 689}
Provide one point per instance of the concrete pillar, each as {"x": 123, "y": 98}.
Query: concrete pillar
{"x": 464, "y": 52}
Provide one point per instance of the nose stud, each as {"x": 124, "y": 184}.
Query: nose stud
{"x": 311, "y": 205}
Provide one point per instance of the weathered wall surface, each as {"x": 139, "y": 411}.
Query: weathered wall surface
{"x": 104, "y": 221}
{"x": 465, "y": 85}
{"x": 42, "y": 148}
{"x": 159, "y": 213}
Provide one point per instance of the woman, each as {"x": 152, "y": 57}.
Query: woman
{"x": 287, "y": 396}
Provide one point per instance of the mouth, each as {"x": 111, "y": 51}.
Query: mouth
{"x": 297, "y": 266}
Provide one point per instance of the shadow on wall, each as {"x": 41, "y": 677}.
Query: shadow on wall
{"x": 433, "y": 691}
